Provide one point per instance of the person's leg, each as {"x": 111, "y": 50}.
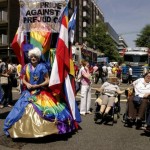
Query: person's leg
{"x": 142, "y": 109}
{"x": 132, "y": 111}
{"x": 4, "y": 99}
{"x": 83, "y": 99}
{"x": 89, "y": 100}
{"x": 110, "y": 104}
{"x": 147, "y": 130}
{"x": 96, "y": 78}
{"x": 104, "y": 103}
{"x": 9, "y": 96}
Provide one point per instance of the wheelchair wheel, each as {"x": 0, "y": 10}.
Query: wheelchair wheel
{"x": 115, "y": 118}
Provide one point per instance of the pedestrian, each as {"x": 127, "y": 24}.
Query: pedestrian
{"x": 5, "y": 84}
{"x": 95, "y": 73}
{"x": 85, "y": 104}
{"x": 104, "y": 72}
{"x": 109, "y": 68}
{"x": 1, "y": 90}
{"x": 130, "y": 75}
{"x": 38, "y": 112}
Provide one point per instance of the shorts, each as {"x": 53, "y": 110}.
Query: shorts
{"x": 108, "y": 100}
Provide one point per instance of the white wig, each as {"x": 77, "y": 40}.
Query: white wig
{"x": 35, "y": 51}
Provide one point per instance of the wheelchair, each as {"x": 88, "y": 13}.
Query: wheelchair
{"x": 130, "y": 92}
{"x": 114, "y": 113}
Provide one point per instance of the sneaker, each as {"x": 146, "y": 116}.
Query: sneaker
{"x": 1, "y": 106}
{"x": 138, "y": 124}
{"x": 83, "y": 114}
{"x": 9, "y": 105}
{"x": 89, "y": 112}
{"x": 147, "y": 130}
{"x": 107, "y": 117}
{"x": 129, "y": 122}
{"x": 97, "y": 116}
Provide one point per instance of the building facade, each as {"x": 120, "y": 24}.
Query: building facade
{"x": 9, "y": 19}
{"x": 87, "y": 14}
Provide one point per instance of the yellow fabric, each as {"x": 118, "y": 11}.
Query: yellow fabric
{"x": 39, "y": 36}
{"x": 72, "y": 71}
{"x": 19, "y": 67}
{"x": 32, "y": 125}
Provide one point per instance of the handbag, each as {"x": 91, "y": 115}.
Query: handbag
{"x": 3, "y": 80}
{"x": 137, "y": 100}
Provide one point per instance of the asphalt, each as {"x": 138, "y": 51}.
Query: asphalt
{"x": 90, "y": 136}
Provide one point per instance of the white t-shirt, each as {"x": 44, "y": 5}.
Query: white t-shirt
{"x": 104, "y": 69}
{"x": 109, "y": 70}
{"x": 130, "y": 71}
{"x": 141, "y": 87}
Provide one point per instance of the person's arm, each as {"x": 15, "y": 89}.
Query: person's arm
{"x": 45, "y": 83}
{"x": 30, "y": 86}
{"x": 120, "y": 91}
{"x": 86, "y": 74}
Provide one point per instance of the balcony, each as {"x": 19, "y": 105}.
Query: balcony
{"x": 84, "y": 34}
{"x": 3, "y": 17}
{"x": 3, "y": 3}
{"x": 84, "y": 24}
{"x": 86, "y": 6}
{"x": 3, "y": 40}
{"x": 86, "y": 16}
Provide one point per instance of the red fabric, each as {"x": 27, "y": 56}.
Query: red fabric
{"x": 17, "y": 47}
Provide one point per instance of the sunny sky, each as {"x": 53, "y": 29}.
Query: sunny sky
{"x": 127, "y": 17}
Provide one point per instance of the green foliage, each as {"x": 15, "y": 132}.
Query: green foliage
{"x": 143, "y": 39}
{"x": 98, "y": 37}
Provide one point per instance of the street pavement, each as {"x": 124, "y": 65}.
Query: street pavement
{"x": 90, "y": 136}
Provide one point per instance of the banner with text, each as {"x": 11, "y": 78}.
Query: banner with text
{"x": 41, "y": 15}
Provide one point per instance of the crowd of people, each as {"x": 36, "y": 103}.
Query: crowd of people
{"x": 8, "y": 79}
{"x": 104, "y": 73}
{"x": 49, "y": 114}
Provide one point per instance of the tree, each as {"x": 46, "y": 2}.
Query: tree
{"x": 99, "y": 38}
{"x": 143, "y": 39}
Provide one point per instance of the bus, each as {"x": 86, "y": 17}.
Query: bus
{"x": 137, "y": 58}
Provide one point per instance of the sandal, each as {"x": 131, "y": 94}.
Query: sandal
{"x": 1, "y": 106}
{"x": 9, "y": 106}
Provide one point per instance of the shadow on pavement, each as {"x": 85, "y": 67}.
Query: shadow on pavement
{"x": 20, "y": 142}
{"x": 4, "y": 115}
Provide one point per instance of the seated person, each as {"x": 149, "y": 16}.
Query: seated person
{"x": 140, "y": 99}
{"x": 109, "y": 90}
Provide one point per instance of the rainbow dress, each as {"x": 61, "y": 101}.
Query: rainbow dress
{"x": 38, "y": 113}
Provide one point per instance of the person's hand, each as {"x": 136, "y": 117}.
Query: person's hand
{"x": 146, "y": 95}
{"x": 29, "y": 86}
{"x": 9, "y": 72}
{"x": 35, "y": 86}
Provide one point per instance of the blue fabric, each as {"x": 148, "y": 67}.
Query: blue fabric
{"x": 39, "y": 71}
{"x": 17, "y": 111}
{"x": 19, "y": 108}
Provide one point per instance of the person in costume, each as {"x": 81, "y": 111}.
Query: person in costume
{"x": 38, "y": 112}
